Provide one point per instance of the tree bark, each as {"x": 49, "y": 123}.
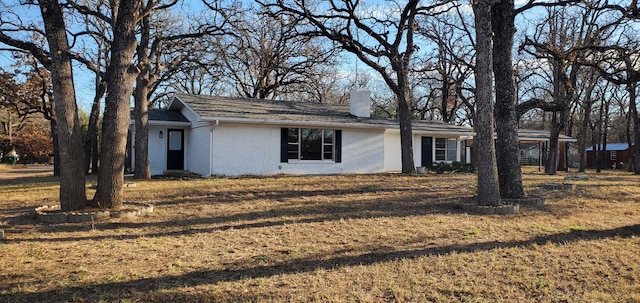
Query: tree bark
{"x": 56, "y": 149}
{"x": 141, "y": 116}
{"x": 121, "y": 75}
{"x": 488, "y": 185}
{"x": 72, "y": 180}
{"x": 141, "y": 108}
{"x": 406, "y": 134}
{"x": 582, "y": 130}
{"x": 507, "y": 143}
{"x": 633, "y": 109}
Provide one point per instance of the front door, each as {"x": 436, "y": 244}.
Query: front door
{"x": 175, "y": 149}
{"x": 427, "y": 151}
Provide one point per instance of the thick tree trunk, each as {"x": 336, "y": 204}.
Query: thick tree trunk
{"x": 72, "y": 180}
{"x": 121, "y": 75}
{"x": 406, "y": 134}
{"x": 507, "y": 143}
{"x": 488, "y": 185}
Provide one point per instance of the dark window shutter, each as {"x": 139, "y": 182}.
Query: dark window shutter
{"x": 284, "y": 136}
{"x": 338, "y": 145}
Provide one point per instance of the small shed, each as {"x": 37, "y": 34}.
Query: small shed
{"x": 616, "y": 156}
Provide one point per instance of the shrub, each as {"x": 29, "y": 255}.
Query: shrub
{"x": 453, "y": 167}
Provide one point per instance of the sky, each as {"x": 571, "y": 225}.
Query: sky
{"x": 84, "y": 80}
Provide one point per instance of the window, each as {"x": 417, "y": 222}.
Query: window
{"x": 311, "y": 144}
{"x": 614, "y": 155}
{"x": 446, "y": 149}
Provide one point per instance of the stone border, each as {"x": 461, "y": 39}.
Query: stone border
{"x": 507, "y": 209}
{"x": 558, "y": 186}
{"x": 51, "y": 214}
{"x": 527, "y": 201}
{"x": 577, "y": 177}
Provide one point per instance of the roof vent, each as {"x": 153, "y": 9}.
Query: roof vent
{"x": 360, "y": 103}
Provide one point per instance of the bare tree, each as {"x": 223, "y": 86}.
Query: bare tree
{"x": 72, "y": 181}
{"x": 507, "y": 142}
{"x": 100, "y": 37}
{"x": 121, "y": 75}
{"x": 384, "y": 43}
{"x": 163, "y": 47}
{"x": 590, "y": 81}
{"x": 488, "y": 184}
{"x": 622, "y": 67}
{"x": 565, "y": 39}
{"x": 444, "y": 77}
{"x": 265, "y": 57}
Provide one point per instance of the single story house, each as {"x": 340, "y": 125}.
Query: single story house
{"x": 211, "y": 135}
{"x": 616, "y": 156}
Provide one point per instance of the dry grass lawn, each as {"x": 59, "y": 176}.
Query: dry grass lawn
{"x": 355, "y": 238}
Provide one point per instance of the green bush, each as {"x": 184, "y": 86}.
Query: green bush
{"x": 453, "y": 167}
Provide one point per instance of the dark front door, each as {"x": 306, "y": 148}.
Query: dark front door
{"x": 427, "y": 151}
{"x": 175, "y": 149}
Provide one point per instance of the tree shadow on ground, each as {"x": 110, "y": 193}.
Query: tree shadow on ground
{"x": 299, "y": 214}
{"x": 147, "y": 287}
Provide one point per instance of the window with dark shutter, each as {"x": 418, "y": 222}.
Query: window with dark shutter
{"x": 338, "y": 146}
{"x": 284, "y": 145}
{"x": 310, "y": 144}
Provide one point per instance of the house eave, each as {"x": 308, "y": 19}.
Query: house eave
{"x": 169, "y": 123}
{"x": 354, "y": 125}
{"x": 295, "y": 122}
{"x": 462, "y": 135}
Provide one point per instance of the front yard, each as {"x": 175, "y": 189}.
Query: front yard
{"x": 356, "y": 238}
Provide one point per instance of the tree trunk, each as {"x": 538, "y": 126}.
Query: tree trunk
{"x": 551, "y": 166}
{"x": 582, "y": 135}
{"x": 72, "y": 180}
{"x": 121, "y": 75}
{"x": 406, "y": 136}
{"x": 141, "y": 99}
{"x": 507, "y": 143}
{"x": 56, "y": 148}
{"x": 488, "y": 185}
{"x": 633, "y": 111}
{"x": 91, "y": 139}
{"x": 141, "y": 116}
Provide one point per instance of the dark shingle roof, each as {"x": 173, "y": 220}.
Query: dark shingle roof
{"x": 166, "y": 115}
{"x": 213, "y": 107}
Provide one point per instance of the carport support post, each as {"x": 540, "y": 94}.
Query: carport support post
{"x": 539, "y": 156}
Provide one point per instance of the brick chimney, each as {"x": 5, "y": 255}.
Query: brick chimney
{"x": 360, "y": 103}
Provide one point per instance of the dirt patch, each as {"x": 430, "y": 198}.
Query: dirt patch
{"x": 25, "y": 171}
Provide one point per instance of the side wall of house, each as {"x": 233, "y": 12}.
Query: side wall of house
{"x": 198, "y": 149}
{"x": 157, "y": 149}
{"x": 244, "y": 149}
{"x": 393, "y": 154}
